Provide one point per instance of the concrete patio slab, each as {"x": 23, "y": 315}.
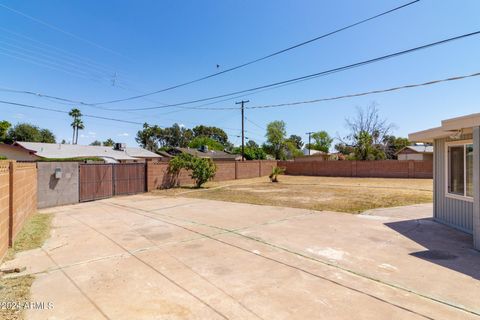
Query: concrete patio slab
{"x": 148, "y": 257}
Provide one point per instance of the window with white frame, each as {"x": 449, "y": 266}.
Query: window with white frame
{"x": 460, "y": 169}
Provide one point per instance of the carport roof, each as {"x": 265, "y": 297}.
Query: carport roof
{"x": 448, "y": 128}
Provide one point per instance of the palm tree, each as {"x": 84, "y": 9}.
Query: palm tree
{"x": 76, "y": 115}
{"x": 80, "y": 126}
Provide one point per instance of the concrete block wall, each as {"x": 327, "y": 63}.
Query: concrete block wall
{"x": 55, "y": 192}
{"x": 158, "y": 177}
{"x": 23, "y": 195}
{"x": 377, "y": 169}
{"x": 4, "y": 206}
{"x": 18, "y": 199}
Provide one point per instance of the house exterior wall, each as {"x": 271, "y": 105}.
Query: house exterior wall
{"x": 16, "y": 153}
{"x": 415, "y": 156}
{"x": 56, "y": 192}
{"x": 453, "y": 212}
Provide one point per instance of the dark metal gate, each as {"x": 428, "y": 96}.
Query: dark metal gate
{"x": 99, "y": 181}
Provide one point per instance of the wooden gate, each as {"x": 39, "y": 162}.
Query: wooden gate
{"x": 95, "y": 181}
{"x": 129, "y": 178}
{"x": 99, "y": 181}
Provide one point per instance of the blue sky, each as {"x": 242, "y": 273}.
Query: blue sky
{"x": 150, "y": 45}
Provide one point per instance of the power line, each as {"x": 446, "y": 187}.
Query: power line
{"x": 262, "y": 88}
{"x": 66, "y": 112}
{"x": 264, "y": 57}
{"x": 63, "y": 31}
{"x": 311, "y": 76}
{"x": 408, "y": 86}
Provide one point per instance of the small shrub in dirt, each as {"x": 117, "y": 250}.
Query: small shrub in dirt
{"x": 276, "y": 171}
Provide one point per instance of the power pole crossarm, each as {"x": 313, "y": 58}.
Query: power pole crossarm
{"x": 242, "y": 103}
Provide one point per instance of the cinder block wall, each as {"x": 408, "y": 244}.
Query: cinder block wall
{"x": 376, "y": 169}
{"x": 54, "y": 192}
{"x": 4, "y": 206}
{"x": 158, "y": 177}
{"x": 23, "y": 193}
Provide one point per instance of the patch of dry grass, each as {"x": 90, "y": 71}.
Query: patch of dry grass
{"x": 17, "y": 289}
{"x": 352, "y": 195}
{"x": 14, "y": 290}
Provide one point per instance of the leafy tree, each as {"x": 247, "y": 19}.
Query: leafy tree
{"x": 344, "y": 149}
{"x": 29, "y": 133}
{"x": 4, "y": 126}
{"x": 275, "y": 135}
{"x": 366, "y": 150}
{"x": 200, "y": 141}
{"x": 214, "y": 133}
{"x": 147, "y": 137}
{"x": 77, "y": 123}
{"x": 394, "y": 144}
{"x": 108, "y": 143}
{"x": 47, "y": 136}
{"x": 296, "y": 141}
{"x": 96, "y": 143}
{"x": 291, "y": 150}
{"x": 251, "y": 152}
{"x": 368, "y": 133}
{"x": 63, "y": 141}
{"x": 321, "y": 141}
{"x": 252, "y": 144}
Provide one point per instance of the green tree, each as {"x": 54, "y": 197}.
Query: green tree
{"x": 252, "y": 144}
{"x": 344, "y": 149}
{"x": 77, "y": 123}
{"x": 147, "y": 137}
{"x": 96, "y": 143}
{"x": 201, "y": 169}
{"x": 296, "y": 141}
{"x": 251, "y": 152}
{"x": 276, "y": 132}
{"x": 321, "y": 141}
{"x": 29, "y": 133}
{"x": 200, "y": 141}
{"x": 47, "y": 136}
{"x": 394, "y": 144}
{"x": 214, "y": 133}
{"x": 108, "y": 143}
{"x": 366, "y": 150}
{"x": 4, "y": 126}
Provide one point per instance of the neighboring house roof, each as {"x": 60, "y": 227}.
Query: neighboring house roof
{"x": 55, "y": 150}
{"x": 417, "y": 149}
{"x": 214, "y": 154}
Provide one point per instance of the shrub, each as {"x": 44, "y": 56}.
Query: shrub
{"x": 276, "y": 171}
{"x": 3, "y": 158}
{"x": 202, "y": 169}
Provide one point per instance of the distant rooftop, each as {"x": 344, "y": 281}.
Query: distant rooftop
{"x": 57, "y": 150}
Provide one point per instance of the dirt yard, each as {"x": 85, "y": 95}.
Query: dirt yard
{"x": 352, "y": 195}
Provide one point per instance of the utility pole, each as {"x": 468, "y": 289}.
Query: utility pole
{"x": 309, "y": 141}
{"x": 242, "y": 103}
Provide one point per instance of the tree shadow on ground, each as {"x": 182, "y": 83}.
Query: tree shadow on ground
{"x": 445, "y": 246}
